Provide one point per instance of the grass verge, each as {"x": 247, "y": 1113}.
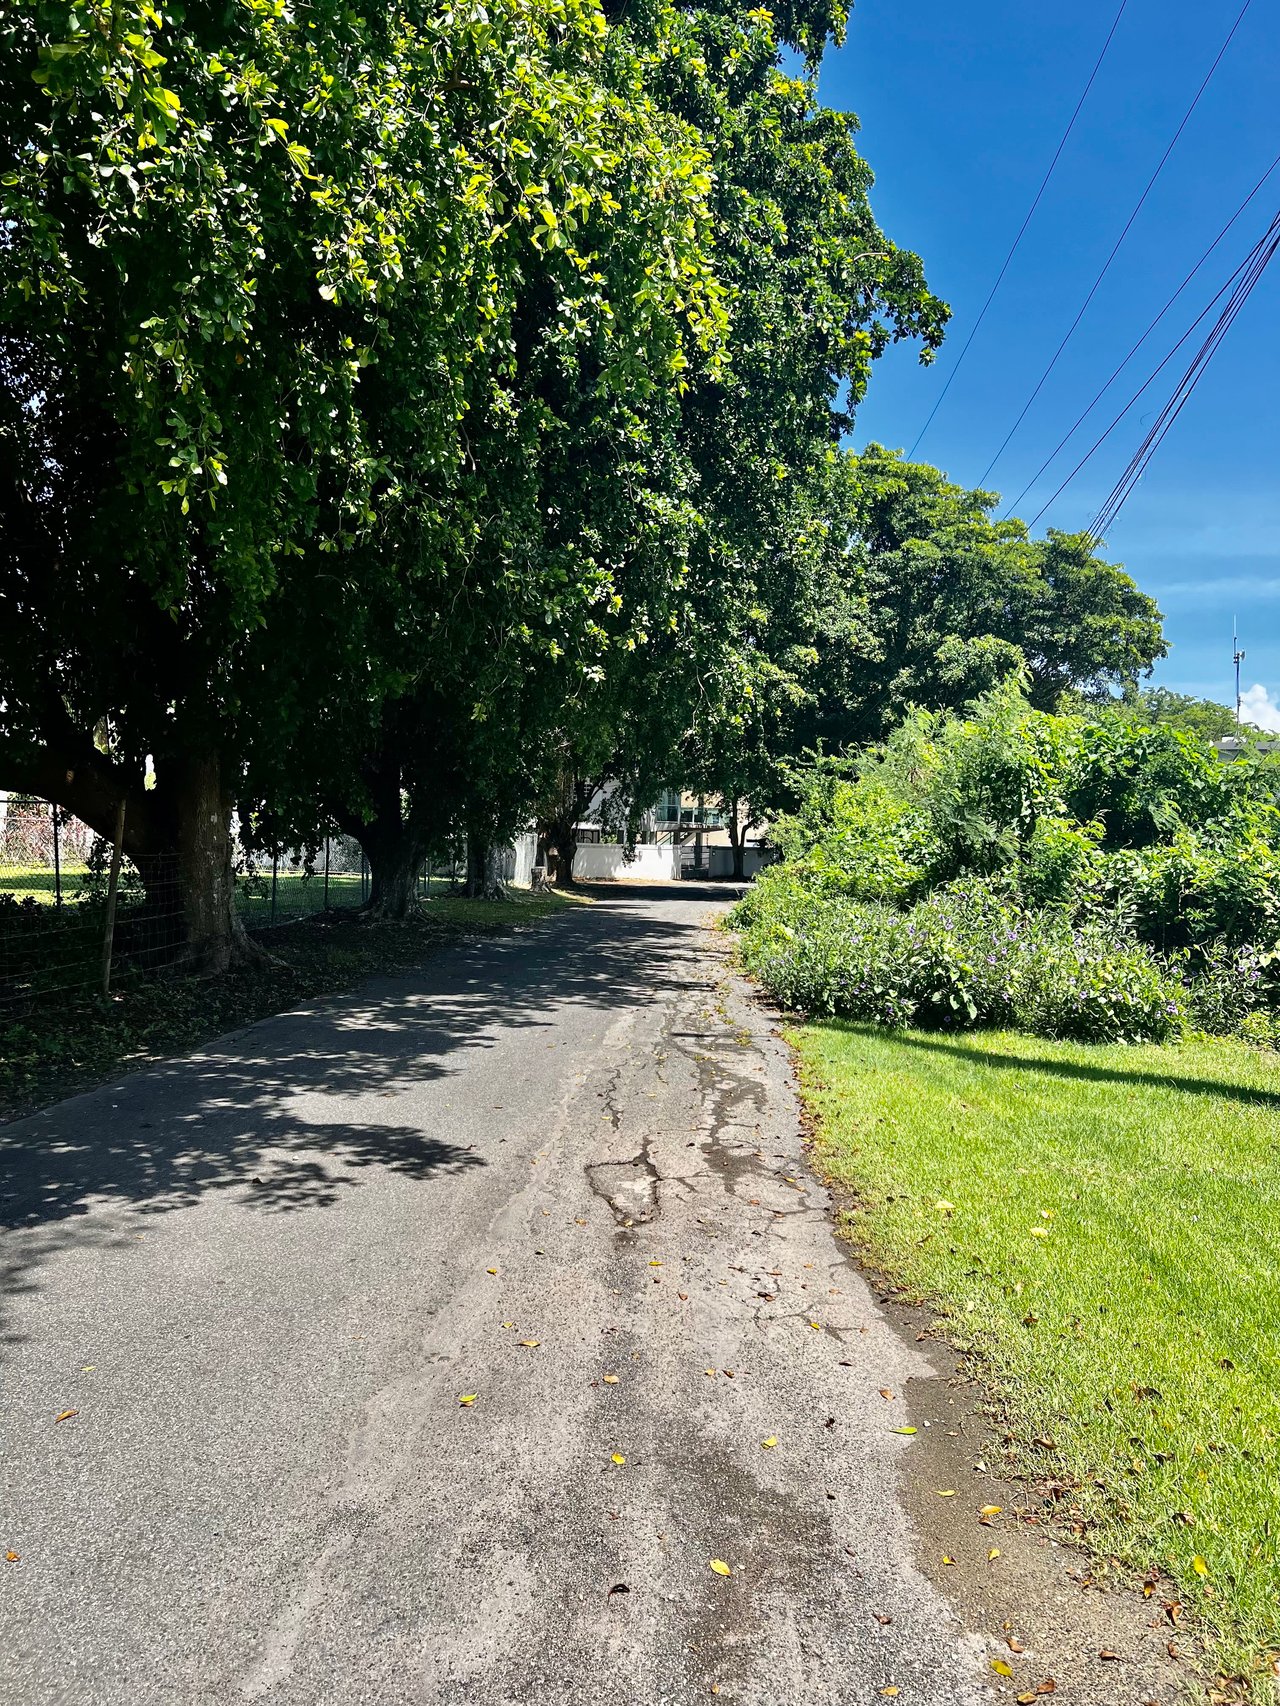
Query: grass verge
{"x": 1100, "y": 1228}
{"x": 65, "y": 1045}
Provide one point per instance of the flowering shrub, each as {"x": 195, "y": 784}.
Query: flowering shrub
{"x": 968, "y": 955}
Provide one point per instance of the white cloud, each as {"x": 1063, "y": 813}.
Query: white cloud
{"x": 1259, "y": 708}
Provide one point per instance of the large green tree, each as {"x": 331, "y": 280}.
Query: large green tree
{"x": 268, "y": 277}
{"x": 954, "y": 599}
{"x": 578, "y": 652}
{"x": 909, "y": 594}
{"x": 816, "y": 292}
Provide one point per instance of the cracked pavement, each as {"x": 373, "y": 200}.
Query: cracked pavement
{"x": 264, "y": 1276}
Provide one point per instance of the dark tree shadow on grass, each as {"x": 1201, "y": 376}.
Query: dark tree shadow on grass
{"x": 970, "y": 1048}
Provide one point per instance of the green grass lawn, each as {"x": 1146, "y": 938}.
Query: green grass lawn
{"x": 1102, "y": 1227}
{"x": 298, "y": 896}
{"x": 36, "y": 882}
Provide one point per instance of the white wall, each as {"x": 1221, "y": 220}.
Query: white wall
{"x": 605, "y": 862}
{"x": 525, "y": 847}
{"x": 754, "y": 860}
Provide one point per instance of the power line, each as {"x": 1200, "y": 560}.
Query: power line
{"x": 1257, "y": 264}
{"x": 1146, "y": 382}
{"x": 1134, "y": 348}
{"x": 1044, "y": 184}
{"x": 1153, "y": 375}
{"x": 1106, "y": 266}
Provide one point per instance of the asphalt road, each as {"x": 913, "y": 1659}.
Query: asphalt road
{"x": 265, "y": 1277}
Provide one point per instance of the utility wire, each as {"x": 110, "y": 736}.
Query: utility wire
{"x": 1098, "y": 395}
{"x": 1230, "y": 285}
{"x": 1257, "y": 264}
{"x": 1106, "y": 266}
{"x": 1044, "y": 184}
{"x": 1153, "y": 375}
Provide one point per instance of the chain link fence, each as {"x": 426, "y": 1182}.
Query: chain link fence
{"x": 59, "y": 938}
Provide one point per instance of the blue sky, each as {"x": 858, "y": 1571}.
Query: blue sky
{"x": 961, "y": 109}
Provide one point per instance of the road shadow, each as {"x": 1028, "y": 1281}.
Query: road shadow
{"x": 245, "y": 1117}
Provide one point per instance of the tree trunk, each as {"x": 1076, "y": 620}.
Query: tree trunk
{"x": 213, "y": 937}
{"x": 178, "y": 836}
{"x": 737, "y": 840}
{"x": 394, "y": 847}
{"x": 393, "y": 882}
{"x": 565, "y": 836}
{"x": 395, "y": 854}
{"x": 477, "y": 867}
{"x": 482, "y": 881}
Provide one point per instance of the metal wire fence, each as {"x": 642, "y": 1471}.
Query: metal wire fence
{"x": 60, "y": 939}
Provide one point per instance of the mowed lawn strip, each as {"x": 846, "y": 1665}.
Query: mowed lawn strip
{"x": 1102, "y": 1226}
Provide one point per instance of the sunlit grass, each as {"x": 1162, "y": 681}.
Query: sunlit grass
{"x": 1102, "y": 1226}
{"x": 36, "y": 882}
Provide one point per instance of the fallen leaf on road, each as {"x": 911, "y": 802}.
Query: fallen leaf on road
{"x": 1001, "y": 1668}
{"x": 993, "y": 1554}
{"x": 88, "y": 1368}
{"x": 13, "y": 1557}
{"x": 1106, "y": 1653}
{"x": 720, "y": 1567}
{"x": 904, "y": 1430}
{"x": 618, "y": 1457}
{"x": 1014, "y": 1644}
{"x": 881, "y": 1617}
{"x": 945, "y": 1492}
{"x": 66, "y": 1415}
{"x": 655, "y": 1264}
{"x": 710, "y": 1371}
{"x": 508, "y": 1323}
{"x": 468, "y": 1398}
{"x": 891, "y": 1690}
{"x": 1048, "y": 1686}
{"x": 815, "y": 1326}
{"x": 768, "y": 1444}
{"x": 491, "y": 1270}
{"x": 884, "y": 1390}
{"x": 990, "y": 1510}
{"x": 683, "y": 1296}
{"x": 1027, "y": 1698}
{"x": 618, "y": 1587}
{"x": 611, "y": 1380}
{"x": 947, "y": 1560}
{"x": 530, "y": 1344}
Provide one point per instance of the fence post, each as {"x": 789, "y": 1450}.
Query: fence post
{"x": 275, "y": 861}
{"x": 326, "y": 873}
{"x": 113, "y": 884}
{"x": 57, "y": 859}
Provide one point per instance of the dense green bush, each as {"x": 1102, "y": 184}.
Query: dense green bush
{"x": 1086, "y": 878}
{"x": 968, "y": 955}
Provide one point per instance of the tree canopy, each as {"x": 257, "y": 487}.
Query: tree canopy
{"x": 416, "y": 419}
